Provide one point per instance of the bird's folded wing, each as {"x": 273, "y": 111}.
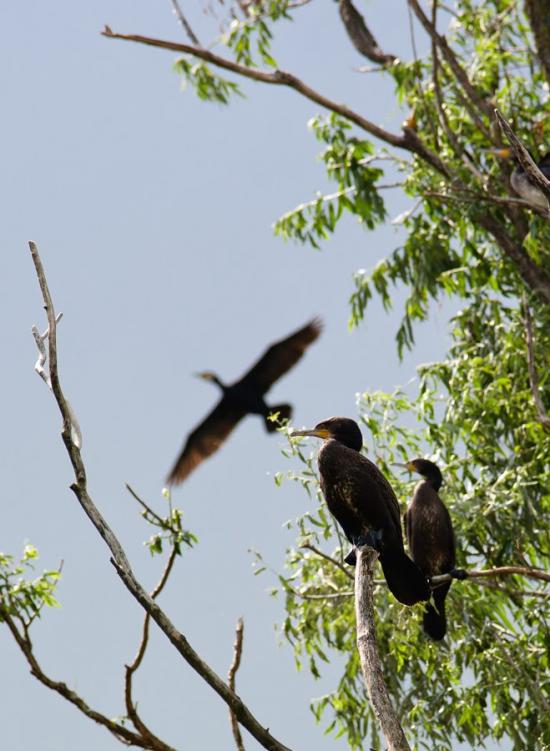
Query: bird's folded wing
{"x": 206, "y": 439}
{"x": 281, "y": 356}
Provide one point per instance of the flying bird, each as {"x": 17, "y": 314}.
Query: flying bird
{"x": 243, "y": 397}
{"x": 364, "y": 504}
{"x": 431, "y": 540}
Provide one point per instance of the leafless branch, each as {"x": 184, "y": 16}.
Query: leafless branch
{"x": 361, "y": 36}
{"x": 24, "y": 643}
{"x": 524, "y": 157}
{"x": 131, "y": 669}
{"x": 119, "y": 558}
{"x": 368, "y": 652}
{"x": 184, "y": 22}
{"x": 409, "y": 140}
{"x": 531, "y": 366}
{"x": 145, "y": 507}
{"x": 237, "y": 654}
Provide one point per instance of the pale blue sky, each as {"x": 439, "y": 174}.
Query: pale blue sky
{"x": 152, "y": 212}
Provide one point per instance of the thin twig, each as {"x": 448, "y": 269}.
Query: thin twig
{"x": 131, "y": 669}
{"x": 309, "y": 546}
{"x": 144, "y": 505}
{"x": 529, "y": 573}
{"x": 235, "y": 663}
{"x": 119, "y": 558}
{"x": 23, "y": 642}
{"x": 531, "y": 366}
{"x": 185, "y": 23}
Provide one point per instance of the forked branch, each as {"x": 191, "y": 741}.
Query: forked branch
{"x": 119, "y": 558}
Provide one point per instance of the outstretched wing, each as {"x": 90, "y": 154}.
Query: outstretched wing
{"x": 206, "y": 438}
{"x": 280, "y": 357}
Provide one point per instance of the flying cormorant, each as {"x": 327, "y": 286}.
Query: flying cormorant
{"x": 364, "y": 504}
{"x": 431, "y": 540}
{"x": 520, "y": 182}
{"x": 243, "y": 397}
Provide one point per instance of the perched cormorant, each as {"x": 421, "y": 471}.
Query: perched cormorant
{"x": 243, "y": 397}
{"x": 431, "y": 540}
{"x": 520, "y": 182}
{"x": 364, "y": 504}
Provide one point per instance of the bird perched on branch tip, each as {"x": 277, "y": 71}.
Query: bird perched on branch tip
{"x": 363, "y": 503}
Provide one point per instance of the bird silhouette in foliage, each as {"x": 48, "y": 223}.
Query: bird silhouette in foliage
{"x": 243, "y": 397}
{"x": 431, "y": 541}
{"x": 363, "y": 503}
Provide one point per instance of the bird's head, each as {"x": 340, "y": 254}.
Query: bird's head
{"x": 427, "y": 469}
{"x": 207, "y": 375}
{"x": 342, "y": 429}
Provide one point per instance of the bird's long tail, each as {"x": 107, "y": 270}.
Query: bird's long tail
{"x": 283, "y": 412}
{"x": 434, "y": 621}
{"x": 405, "y": 580}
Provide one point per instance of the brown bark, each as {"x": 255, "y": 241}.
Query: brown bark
{"x": 368, "y": 652}
{"x": 361, "y": 36}
{"x": 538, "y": 13}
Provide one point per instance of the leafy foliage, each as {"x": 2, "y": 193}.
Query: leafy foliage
{"x": 208, "y": 86}
{"x": 21, "y": 597}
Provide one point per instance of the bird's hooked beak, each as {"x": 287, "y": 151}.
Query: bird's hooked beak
{"x": 315, "y": 432}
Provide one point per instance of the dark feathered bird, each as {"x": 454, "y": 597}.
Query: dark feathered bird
{"x": 364, "y": 504}
{"x": 431, "y": 540}
{"x": 520, "y": 182}
{"x": 243, "y": 397}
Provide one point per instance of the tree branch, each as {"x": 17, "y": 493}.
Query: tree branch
{"x": 131, "y": 669}
{"x": 524, "y": 157}
{"x": 119, "y": 559}
{"x": 24, "y": 643}
{"x": 539, "y": 20}
{"x": 237, "y": 654}
{"x": 185, "y": 23}
{"x": 474, "y": 103}
{"x": 361, "y": 36}
{"x": 409, "y": 140}
{"x": 529, "y": 573}
{"x": 368, "y": 652}
{"x": 531, "y": 366}
{"x": 347, "y": 572}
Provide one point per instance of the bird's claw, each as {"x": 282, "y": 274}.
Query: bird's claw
{"x": 459, "y": 573}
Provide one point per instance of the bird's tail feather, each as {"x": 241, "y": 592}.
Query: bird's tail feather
{"x": 283, "y": 412}
{"x": 405, "y": 580}
{"x": 434, "y": 621}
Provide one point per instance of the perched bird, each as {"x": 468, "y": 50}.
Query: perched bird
{"x": 521, "y": 183}
{"x": 364, "y": 504}
{"x": 431, "y": 540}
{"x": 243, "y": 397}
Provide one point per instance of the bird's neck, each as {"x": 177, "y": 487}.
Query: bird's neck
{"x": 434, "y": 479}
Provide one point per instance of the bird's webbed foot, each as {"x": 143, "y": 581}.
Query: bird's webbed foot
{"x": 459, "y": 573}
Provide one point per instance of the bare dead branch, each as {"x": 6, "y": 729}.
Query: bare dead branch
{"x": 119, "y": 558}
{"x": 131, "y": 709}
{"x": 368, "y": 652}
{"x": 361, "y": 36}
{"x": 409, "y": 140}
{"x": 237, "y": 654}
{"x": 524, "y": 157}
{"x": 542, "y": 417}
{"x": 24, "y": 643}
{"x": 185, "y": 23}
